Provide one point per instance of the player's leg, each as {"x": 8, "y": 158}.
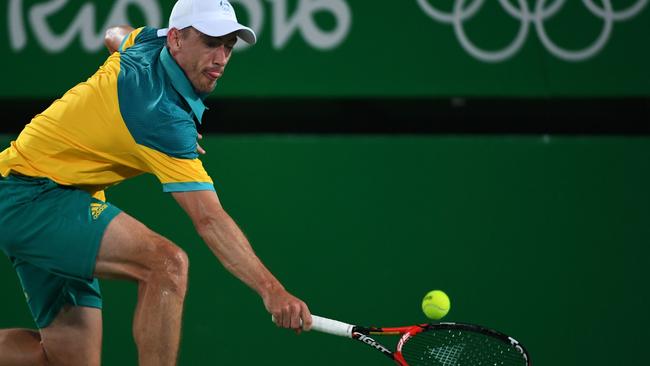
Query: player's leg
{"x": 17, "y": 346}
{"x": 59, "y": 238}
{"x": 129, "y": 250}
{"x": 67, "y": 313}
{"x": 21, "y": 347}
{"x": 51, "y": 235}
{"x": 74, "y": 338}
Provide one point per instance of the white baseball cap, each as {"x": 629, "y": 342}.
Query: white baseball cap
{"x": 214, "y": 18}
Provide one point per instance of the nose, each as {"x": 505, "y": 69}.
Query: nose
{"x": 220, "y": 56}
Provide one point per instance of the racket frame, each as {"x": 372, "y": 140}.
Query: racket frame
{"x": 364, "y": 335}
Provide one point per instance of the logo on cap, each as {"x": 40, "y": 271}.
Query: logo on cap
{"x": 225, "y": 6}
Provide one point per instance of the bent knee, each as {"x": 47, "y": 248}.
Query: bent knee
{"x": 169, "y": 265}
{"x": 174, "y": 260}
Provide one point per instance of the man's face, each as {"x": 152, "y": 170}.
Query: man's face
{"x": 202, "y": 58}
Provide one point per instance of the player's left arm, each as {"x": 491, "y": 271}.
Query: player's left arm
{"x": 229, "y": 244}
{"x": 115, "y": 35}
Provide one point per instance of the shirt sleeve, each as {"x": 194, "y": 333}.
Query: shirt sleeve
{"x": 176, "y": 174}
{"x": 129, "y": 40}
{"x": 139, "y": 35}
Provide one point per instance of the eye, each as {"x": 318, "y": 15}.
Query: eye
{"x": 213, "y": 43}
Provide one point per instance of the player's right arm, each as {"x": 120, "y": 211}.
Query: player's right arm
{"x": 114, "y": 37}
{"x": 228, "y": 243}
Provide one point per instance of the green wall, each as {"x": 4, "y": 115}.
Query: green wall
{"x": 544, "y": 238}
{"x": 356, "y": 48}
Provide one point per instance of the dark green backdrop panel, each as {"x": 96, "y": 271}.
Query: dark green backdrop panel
{"x": 355, "y": 48}
{"x": 545, "y": 238}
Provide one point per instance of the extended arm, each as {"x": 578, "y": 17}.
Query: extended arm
{"x": 115, "y": 35}
{"x": 229, "y": 244}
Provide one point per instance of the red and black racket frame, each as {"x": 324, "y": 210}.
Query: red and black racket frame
{"x": 362, "y": 334}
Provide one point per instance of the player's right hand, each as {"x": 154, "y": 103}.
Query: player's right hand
{"x": 288, "y": 311}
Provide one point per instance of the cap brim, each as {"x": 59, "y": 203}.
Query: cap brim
{"x": 223, "y": 27}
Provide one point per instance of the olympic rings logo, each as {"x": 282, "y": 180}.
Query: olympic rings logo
{"x": 536, "y": 17}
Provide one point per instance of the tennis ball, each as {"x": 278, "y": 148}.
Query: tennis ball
{"x": 435, "y": 304}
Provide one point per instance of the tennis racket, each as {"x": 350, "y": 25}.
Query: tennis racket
{"x": 435, "y": 344}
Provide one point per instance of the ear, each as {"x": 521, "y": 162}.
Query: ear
{"x": 174, "y": 40}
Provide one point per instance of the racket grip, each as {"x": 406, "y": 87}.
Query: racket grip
{"x": 329, "y": 326}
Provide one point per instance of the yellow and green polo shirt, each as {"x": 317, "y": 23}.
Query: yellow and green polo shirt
{"x": 135, "y": 115}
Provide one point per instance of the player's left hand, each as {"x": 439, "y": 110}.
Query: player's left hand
{"x": 199, "y": 149}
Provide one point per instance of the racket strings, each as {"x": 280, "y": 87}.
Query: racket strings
{"x": 459, "y": 348}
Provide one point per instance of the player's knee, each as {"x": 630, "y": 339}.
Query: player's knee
{"x": 176, "y": 262}
{"x": 171, "y": 268}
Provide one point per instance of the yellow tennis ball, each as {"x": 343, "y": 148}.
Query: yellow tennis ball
{"x": 435, "y": 304}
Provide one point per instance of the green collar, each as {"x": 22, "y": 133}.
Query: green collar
{"x": 182, "y": 84}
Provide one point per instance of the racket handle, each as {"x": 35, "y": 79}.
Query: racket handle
{"x": 329, "y": 326}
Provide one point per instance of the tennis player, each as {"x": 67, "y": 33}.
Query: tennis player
{"x": 135, "y": 115}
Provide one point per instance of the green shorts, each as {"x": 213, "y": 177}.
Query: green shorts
{"x": 51, "y": 234}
